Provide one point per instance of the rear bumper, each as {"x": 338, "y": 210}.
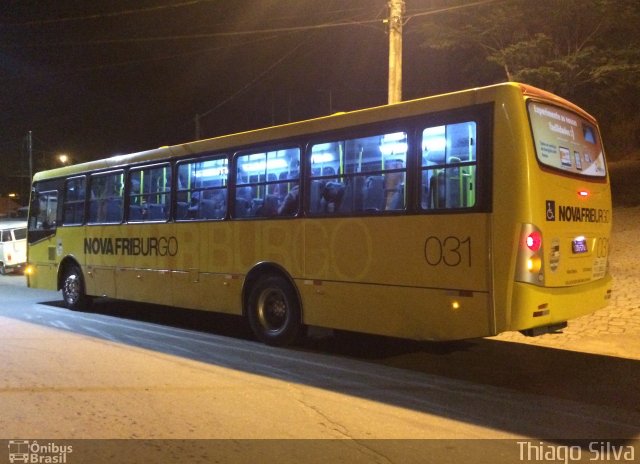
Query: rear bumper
{"x": 534, "y": 306}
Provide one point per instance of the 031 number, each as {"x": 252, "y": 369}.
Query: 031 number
{"x": 450, "y": 251}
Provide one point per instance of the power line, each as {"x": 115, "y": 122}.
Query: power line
{"x": 198, "y": 36}
{"x": 41, "y": 22}
{"x": 210, "y": 35}
{"x": 256, "y": 79}
{"x": 96, "y": 16}
{"x": 449, "y": 8}
{"x": 172, "y": 56}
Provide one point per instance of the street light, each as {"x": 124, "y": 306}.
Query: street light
{"x": 63, "y": 158}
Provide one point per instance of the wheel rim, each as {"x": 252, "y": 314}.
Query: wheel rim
{"x": 273, "y": 310}
{"x": 72, "y": 289}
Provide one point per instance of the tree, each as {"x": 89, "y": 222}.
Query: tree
{"x": 587, "y": 51}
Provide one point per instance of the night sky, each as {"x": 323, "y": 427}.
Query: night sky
{"x": 98, "y": 78}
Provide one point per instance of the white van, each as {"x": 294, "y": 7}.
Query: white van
{"x": 13, "y": 246}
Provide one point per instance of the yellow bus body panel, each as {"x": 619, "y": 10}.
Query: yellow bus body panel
{"x": 393, "y": 267}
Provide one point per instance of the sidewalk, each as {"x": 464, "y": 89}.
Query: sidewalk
{"x": 614, "y": 330}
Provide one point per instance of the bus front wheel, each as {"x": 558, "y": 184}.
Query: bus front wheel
{"x": 73, "y": 289}
{"x": 274, "y": 311}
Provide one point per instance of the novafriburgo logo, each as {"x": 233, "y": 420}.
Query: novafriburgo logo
{"x": 30, "y": 451}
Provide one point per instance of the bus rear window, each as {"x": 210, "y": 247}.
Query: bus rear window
{"x": 565, "y": 141}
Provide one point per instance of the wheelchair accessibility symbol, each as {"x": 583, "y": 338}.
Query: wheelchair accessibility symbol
{"x": 551, "y": 210}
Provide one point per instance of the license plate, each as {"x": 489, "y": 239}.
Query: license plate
{"x": 579, "y": 245}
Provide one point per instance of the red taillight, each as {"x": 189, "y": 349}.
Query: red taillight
{"x": 534, "y": 241}
{"x": 530, "y": 266}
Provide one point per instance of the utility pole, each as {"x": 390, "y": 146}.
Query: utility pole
{"x": 396, "y": 12}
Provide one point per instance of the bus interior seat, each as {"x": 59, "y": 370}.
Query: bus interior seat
{"x": 208, "y": 210}
{"x": 437, "y": 189}
{"x": 346, "y": 203}
{"x": 135, "y": 213}
{"x": 243, "y": 208}
{"x": 273, "y": 186}
{"x": 244, "y": 200}
{"x": 397, "y": 198}
{"x": 269, "y": 206}
{"x": 433, "y": 180}
{"x": 214, "y": 206}
{"x": 289, "y": 204}
{"x": 373, "y": 194}
{"x": 265, "y": 207}
{"x": 256, "y": 205}
{"x": 353, "y": 195}
{"x": 182, "y": 210}
{"x": 155, "y": 212}
{"x": 453, "y": 183}
{"x": 315, "y": 193}
{"x": 447, "y": 186}
{"x": 114, "y": 210}
{"x": 424, "y": 192}
{"x": 288, "y": 182}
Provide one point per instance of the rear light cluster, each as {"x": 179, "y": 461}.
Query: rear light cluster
{"x": 530, "y": 254}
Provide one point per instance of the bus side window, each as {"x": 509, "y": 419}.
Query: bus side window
{"x": 150, "y": 193}
{"x": 107, "y": 194}
{"x": 74, "y": 201}
{"x": 360, "y": 175}
{"x": 449, "y": 166}
{"x": 202, "y": 190}
{"x": 268, "y": 183}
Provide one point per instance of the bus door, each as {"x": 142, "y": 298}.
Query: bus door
{"x": 41, "y": 235}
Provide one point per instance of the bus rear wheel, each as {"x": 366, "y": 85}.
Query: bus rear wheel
{"x": 274, "y": 311}
{"x": 73, "y": 289}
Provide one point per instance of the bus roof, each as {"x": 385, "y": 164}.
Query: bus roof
{"x": 335, "y": 121}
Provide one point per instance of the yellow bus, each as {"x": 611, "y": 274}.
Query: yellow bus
{"x": 454, "y": 216}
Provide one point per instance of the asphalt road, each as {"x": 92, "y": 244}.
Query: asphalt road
{"x": 148, "y": 372}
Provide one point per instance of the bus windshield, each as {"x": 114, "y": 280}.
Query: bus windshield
{"x": 565, "y": 141}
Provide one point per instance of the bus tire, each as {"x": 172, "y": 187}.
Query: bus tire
{"x": 3, "y": 270}
{"x": 73, "y": 289}
{"x": 274, "y": 311}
